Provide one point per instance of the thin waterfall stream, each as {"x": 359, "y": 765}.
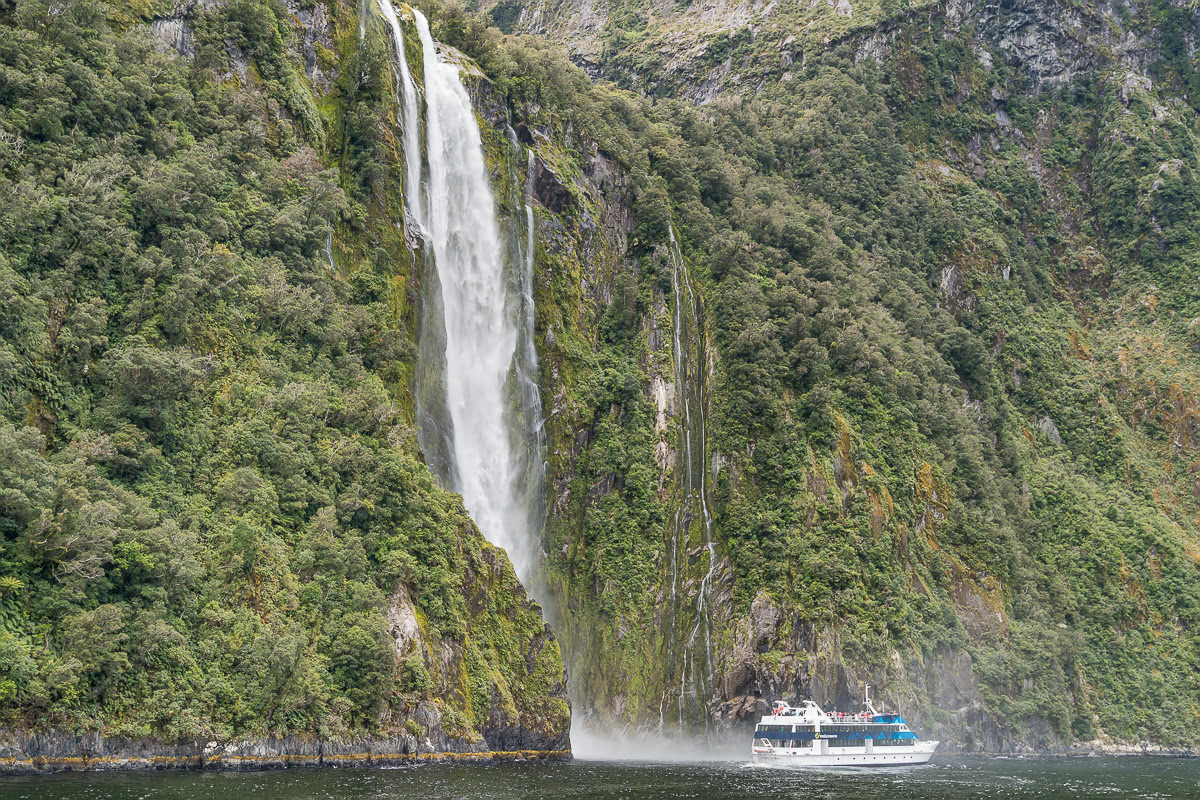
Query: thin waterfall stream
{"x": 689, "y": 357}
{"x": 410, "y": 120}
{"x": 530, "y": 438}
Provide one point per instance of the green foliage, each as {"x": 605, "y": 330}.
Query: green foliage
{"x": 415, "y": 678}
{"x": 209, "y": 487}
{"x": 954, "y": 395}
{"x": 936, "y": 366}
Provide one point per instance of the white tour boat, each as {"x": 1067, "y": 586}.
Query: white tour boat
{"x": 809, "y": 737}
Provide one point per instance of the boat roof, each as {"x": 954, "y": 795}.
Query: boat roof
{"x": 811, "y": 712}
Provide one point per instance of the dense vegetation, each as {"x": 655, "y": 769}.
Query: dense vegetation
{"x": 954, "y": 398}
{"x": 957, "y": 368}
{"x": 209, "y": 490}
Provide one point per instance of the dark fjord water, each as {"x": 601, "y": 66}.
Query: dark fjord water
{"x": 948, "y": 777}
{"x": 977, "y": 779}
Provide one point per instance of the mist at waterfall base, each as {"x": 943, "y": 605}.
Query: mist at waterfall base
{"x": 590, "y": 744}
{"x": 482, "y": 421}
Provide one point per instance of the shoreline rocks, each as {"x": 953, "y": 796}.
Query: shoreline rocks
{"x": 25, "y": 753}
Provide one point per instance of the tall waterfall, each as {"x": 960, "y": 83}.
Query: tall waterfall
{"x": 480, "y": 333}
{"x": 434, "y": 429}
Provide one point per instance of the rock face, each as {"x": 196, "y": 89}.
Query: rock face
{"x": 1051, "y": 42}
{"x": 174, "y": 31}
{"x": 53, "y": 751}
{"x": 316, "y": 36}
{"x": 765, "y": 651}
{"x": 489, "y": 686}
{"x": 814, "y": 668}
{"x": 536, "y": 726}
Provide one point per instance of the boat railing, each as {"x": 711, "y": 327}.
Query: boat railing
{"x": 785, "y": 715}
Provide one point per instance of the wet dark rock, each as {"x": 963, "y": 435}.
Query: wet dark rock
{"x": 550, "y": 190}
{"x": 23, "y": 752}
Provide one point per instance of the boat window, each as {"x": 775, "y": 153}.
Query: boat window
{"x": 788, "y": 742}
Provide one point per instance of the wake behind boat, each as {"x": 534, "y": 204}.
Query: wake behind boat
{"x": 808, "y": 736}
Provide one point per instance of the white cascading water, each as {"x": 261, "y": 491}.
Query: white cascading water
{"x": 434, "y": 431}
{"x": 529, "y": 433}
{"x": 531, "y": 392}
{"x": 481, "y": 338}
{"x": 411, "y": 119}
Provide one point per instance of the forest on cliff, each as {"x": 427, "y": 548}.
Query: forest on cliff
{"x": 210, "y": 496}
{"x": 948, "y": 348}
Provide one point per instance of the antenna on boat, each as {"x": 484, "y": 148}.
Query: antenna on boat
{"x": 867, "y": 702}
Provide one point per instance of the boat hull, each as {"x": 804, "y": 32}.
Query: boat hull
{"x": 845, "y": 757}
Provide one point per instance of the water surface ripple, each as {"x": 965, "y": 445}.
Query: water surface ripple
{"x": 975, "y": 779}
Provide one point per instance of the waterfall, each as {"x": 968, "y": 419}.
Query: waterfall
{"x": 410, "y": 121}
{"x": 528, "y": 429}
{"x": 689, "y": 360}
{"x": 527, "y": 361}
{"x": 434, "y": 429}
{"x": 480, "y": 335}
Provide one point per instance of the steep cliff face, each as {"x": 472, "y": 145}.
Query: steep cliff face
{"x": 702, "y": 50}
{"x": 940, "y": 254}
{"x": 866, "y": 353}
{"x": 222, "y": 547}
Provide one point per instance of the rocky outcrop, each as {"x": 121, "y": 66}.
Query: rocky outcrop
{"x": 1050, "y": 42}
{"x": 53, "y": 751}
{"x": 315, "y": 29}
{"x": 314, "y": 33}
{"x": 774, "y": 658}
{"x": 173, "y": 31}
{"x": 525, "y": 713}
